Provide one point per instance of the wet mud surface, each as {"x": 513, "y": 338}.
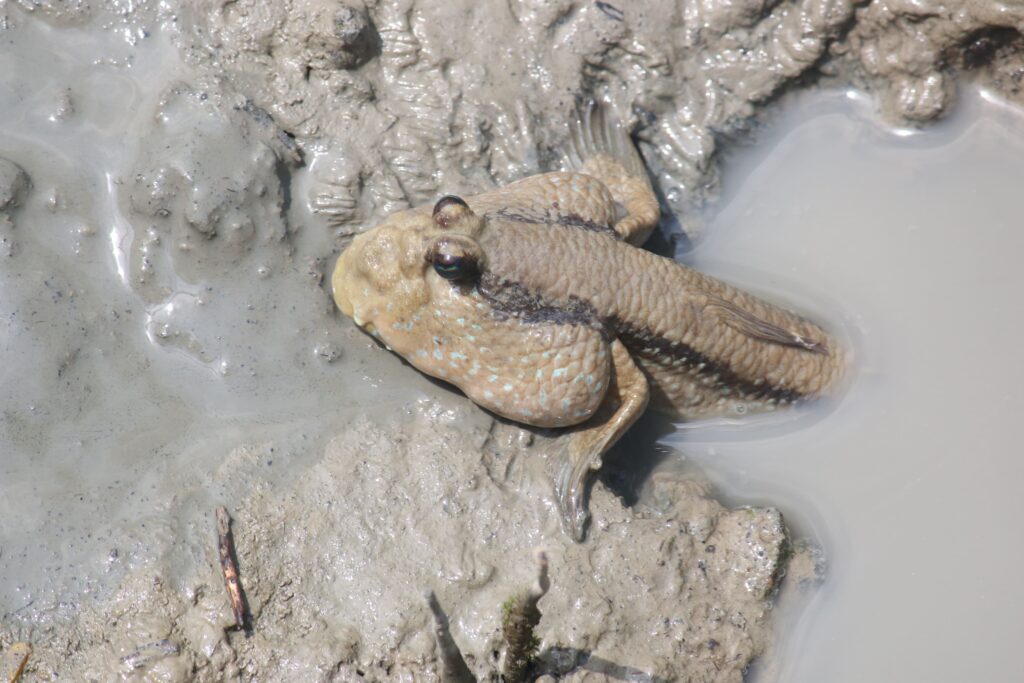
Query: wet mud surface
{"x": 175, "y": 181}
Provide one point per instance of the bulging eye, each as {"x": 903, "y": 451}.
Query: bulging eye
{"x": 449, "y": 200}
{"x": 456, "y": 258}
{"x": 449, "y": 209}
{"x": 456, "y": 267}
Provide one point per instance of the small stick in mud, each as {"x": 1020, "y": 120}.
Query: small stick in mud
{"x": 453, "y": 667}
{"x": 14, "y": 660}
{"x": 229, "y": 567}
{"x": 519, "y": 618}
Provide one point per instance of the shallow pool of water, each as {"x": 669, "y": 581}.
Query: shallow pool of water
{"x": 910, "y": 242}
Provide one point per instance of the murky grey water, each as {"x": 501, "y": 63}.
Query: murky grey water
{"x": 911, "y": 243}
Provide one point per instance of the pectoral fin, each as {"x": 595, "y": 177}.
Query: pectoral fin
{"x": 757, "y": 328}
{"x": 624, "y": 402}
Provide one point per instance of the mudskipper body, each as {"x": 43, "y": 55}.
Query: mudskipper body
{"x": 537, "y": 301}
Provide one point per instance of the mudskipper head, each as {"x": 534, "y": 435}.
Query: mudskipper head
{"x": 401, "y": 279}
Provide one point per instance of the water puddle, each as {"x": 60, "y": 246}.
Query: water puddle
{"x": 910, "y": 242}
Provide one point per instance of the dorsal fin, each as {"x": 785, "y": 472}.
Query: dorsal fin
{"x": 757, "y": 328}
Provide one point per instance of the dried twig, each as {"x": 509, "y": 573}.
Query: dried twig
{"x": 229, "y": 567}
{"x": 453, "y": 667}
{"x": 14, "y": 660}
{"x": 520, "y": 616}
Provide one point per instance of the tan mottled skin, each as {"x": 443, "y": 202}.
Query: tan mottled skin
{"x": 550, "y": 235}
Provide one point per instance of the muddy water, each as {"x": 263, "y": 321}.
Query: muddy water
{"x": 911, "y": 243}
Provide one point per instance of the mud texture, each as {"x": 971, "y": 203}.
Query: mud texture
{"x": 175, "y": 179}
{"x": 334, "y": 566}
{"x": 912, "y": 52}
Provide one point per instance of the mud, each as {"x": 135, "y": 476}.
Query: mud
{"x": 911, "y": 52}
{"x": 176, "y": 177}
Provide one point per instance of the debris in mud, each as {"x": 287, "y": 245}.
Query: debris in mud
{"x": 519, "y": 620}
{"x": 145, "y": 654}
{"x": 229, "y": 567}
{"x": 453, "y": 665}
{"x": 14, "y": 184}
{"x": 13, "y": 661}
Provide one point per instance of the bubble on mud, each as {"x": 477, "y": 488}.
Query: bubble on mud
{"x": 327, "y": 352}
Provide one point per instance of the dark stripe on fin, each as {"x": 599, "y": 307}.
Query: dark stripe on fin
{"x": 749, "y": 324}
{"x": 646, "y": 344}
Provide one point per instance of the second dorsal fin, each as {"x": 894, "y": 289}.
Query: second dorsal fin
{"x": 757, "y": 328}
